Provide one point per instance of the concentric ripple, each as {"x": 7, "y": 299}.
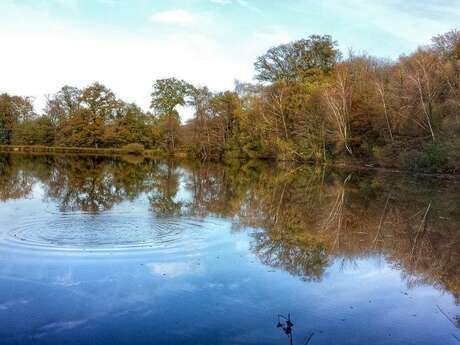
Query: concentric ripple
{"x": 110, "y": 232}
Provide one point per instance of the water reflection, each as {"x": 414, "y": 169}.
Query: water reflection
{"x": 299, "y": 220}
{"x": 306, "y": 217}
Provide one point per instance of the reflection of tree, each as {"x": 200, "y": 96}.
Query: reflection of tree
{"x": 415, "y": 229}
{"x": 220, "y": 190}
{"x": 162, "y": 197}
{"x": 306, "y": 259}
{"x": 89, "y": 184}
{"x": 84, "y": 184}
{"x": 14, "y": 183}
{"x": 303, "y": 218}
{"x": 307, "y": 217}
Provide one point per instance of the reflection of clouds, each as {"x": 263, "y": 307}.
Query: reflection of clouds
{"x": 9, "y": 304}
{"x": 60, "y": 326}
{"x": 67, "y": 280}
{"x": 215, "y": 285}
{"x": 175, "y": 269}
{"x": 64, "y": 325}
{"x": 231, "y": 286}
{"x": 241, "y": 246}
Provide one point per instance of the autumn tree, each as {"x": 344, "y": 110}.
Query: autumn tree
{"x": 423, "y": 87}
{"x": 167, "y": 95}
{"x": 34, "y": 131}
{"x": 447, "y": 47}
{"x": 87, "y": 116}
{"x": 200, "y": 140}
{"x": 60, "y": 106}
{"x": 304, "y": 59}
{"x": 132, "y": 125}
{"x": 227, "y": 115}
{"x": 13, "y": 110}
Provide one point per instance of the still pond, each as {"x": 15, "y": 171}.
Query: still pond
{"x": 128, "y": 251}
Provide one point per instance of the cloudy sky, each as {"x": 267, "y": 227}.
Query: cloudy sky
{"x": 127, "y": 44}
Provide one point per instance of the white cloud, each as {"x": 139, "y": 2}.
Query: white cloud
{"x": 40, "y": 63}
{"x": 45, "y": 54}
{"x": 176, "y": 17}
{"x": 174, "y": 269}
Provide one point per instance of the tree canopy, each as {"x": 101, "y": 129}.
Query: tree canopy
{"x": 300, "y": 60}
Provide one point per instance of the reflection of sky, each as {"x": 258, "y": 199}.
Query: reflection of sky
{"x": 175, "y": 269}
{"x": 200, "y": 286}
{"x": 224, "y": 295}
{"x": 184, "y": 194}
{"x": 226, "y": 299}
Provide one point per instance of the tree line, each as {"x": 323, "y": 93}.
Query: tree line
{"x": 310, "y": 103}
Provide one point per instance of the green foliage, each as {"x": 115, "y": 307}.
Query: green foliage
{"x": 63, "y": 104}
{"x": 387, "y": 155}
{"x": 134, "y": 149}
{"x": 131, "y": 126}
{"x": 432, "y": 158}
{"x": 13, "y": 110}
{"x": 38, "y": 131}
{"x": 453, "y": 153}
{"x": 305, "y": 59}
{"x": 101, "y": 103}
{"x": 167, "y": 95}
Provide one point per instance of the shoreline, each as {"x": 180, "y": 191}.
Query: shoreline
{"x": 78, "y": 150}
{"x": 28, "y": 149}
{"x": 390, "y": 170}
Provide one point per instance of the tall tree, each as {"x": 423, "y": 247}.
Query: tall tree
{"x": 101, "y": 102}
{"x": 132, "y": 126}
{"x": 305, "y": 59}
{"x": 424, "y": 85}
{"x": 100, "y": 107}
{"x": 13, "y": 110}
{"x": 167, "y": 95}
{"x": 448, "y": 44}
{"x": 63, "y": 104}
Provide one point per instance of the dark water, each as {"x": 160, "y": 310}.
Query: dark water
{"x": 119, "y": 251}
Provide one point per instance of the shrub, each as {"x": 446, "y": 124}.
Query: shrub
{"x": 134, "y": 149}
{"x": 387, "y": 155}
{"x": 433, "y": 158}
{"x": 453, "y": 154}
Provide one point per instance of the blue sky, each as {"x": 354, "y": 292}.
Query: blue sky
{"x": 128, "y": 44}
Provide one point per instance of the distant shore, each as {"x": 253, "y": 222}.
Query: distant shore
{"x": 180, "y": 155}
{"x": 78, "y": 150}
{"x": 389, "y": 170}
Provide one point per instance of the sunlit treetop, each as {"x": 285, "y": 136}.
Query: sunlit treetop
{"x": 302, "y": 59}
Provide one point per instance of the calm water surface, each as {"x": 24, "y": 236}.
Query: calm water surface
{"x": 124, "y": 251}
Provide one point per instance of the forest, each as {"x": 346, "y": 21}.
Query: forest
{"x": 311, "y": 103}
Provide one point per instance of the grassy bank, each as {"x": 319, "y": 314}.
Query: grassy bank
{"x": 80, "y": 150}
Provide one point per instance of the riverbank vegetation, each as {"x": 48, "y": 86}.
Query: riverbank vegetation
{"x": 310, "y": 104}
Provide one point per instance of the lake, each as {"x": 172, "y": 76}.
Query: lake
{"x": 128, "y": 251}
